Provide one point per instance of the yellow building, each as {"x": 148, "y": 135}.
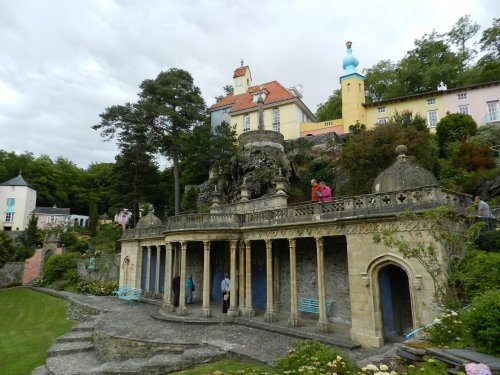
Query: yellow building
{"x": 481, "y": 101}
{"x": 283, "y": 108}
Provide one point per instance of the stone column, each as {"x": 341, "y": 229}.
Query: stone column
{"x": 157, "y": 283}
{"x": 241, "y": 281}
{"x": 206, "y": 311}
{"x": 148, "y": 273}
{"x": 233, "y": 306}
{"x": 323, "y": 320}
{"x": 249, "y": 311}
{"x": 168, "y": 305}
{"x": 294, "y": 314}
{"x": 182, "y": 294}
{"x": 269, "y": 315}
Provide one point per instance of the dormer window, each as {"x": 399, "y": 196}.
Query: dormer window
{"x": 256, "y": 95}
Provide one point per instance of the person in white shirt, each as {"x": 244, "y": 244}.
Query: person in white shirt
{"x": 225, "y": 286}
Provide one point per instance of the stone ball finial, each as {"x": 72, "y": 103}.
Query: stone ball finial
{"x": 401, "y": 150}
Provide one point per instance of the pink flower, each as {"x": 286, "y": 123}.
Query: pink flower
{"x": 477, "y": 369}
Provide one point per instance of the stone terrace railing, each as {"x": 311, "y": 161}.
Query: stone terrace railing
{"x": 340, "y": 208}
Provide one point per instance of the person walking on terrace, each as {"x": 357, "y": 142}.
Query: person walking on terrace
{"x": 326, "y": 192}
{"x": 315, "y": 191}
{"x": 225, "y": 286}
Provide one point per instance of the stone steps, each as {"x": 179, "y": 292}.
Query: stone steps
{"x": 72, "y": 347}
{"x": 74, "y": 336}
{"x": 86, "y": 363}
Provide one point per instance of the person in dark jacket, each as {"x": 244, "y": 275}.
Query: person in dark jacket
{"x": 176, "y": 288}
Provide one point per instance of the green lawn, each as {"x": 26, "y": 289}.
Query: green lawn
{"x": 29, "y": 324}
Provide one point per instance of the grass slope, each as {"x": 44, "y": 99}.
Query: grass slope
{"x": 29, "y": 324}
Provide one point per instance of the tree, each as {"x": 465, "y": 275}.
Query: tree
{"x": 6, "y": 248}
{"x": 370, "y": 152}
{"x": 461, "y": 32}
{"x": 407, "y": 120}
{"x": 93, "y": 218}
{"x": 490, "y": 40}
{"x": 454, "y": 127}
{"x": 171, "y": 105}
{"x": 228, "y": 90}
{"x": 332, "y": 108}
{"x": 381, "y": 81}
{"x": 33, "y": 234}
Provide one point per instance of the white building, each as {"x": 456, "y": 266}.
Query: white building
{"x": 17, "y": 201}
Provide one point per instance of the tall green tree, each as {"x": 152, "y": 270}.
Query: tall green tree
{"x": 459, "y": 35}
{"x": 171, "y": 105}
{"x": 7, "y": 248}
{"x": 33, "y": 234}
{"x": 490, "y": 40}
{"x": 332, "y": 108}
{"x": 381, "y": 81}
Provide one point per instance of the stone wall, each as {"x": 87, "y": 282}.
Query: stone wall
{"x": 106, "y": 271}
{"x": 80, "y": 312}
{"x": 11, "y": 273}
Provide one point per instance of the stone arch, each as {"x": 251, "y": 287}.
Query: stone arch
{"x": 377, "y": 268}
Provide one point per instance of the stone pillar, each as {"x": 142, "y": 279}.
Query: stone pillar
{"x": 241, "y": 281}
{"x": 206, "y": 311}
{"x": 168, "y": 305}
{"x": 148, "y": 273}
{"x": 323, "y": 320}
{"x": 157, "y": 283}
{"x": 249, "y": 311}
{"x": 233, "y": 306}
{"x": 294, "y": 314}
{"x": 269, "y": 315}
{"x": 182, "y": 294}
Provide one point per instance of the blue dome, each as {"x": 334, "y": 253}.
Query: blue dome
{"x": 350, "y": 62}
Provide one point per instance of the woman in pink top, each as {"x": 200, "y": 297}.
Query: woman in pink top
{"x": 326, "y": 192}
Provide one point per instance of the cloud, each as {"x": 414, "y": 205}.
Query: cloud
{"x": 63, "y": 62}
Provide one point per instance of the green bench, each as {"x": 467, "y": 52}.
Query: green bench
{"x": 122, "y": 290}
{"x": 311, "y": 305}
{"x": 133, "y": 294}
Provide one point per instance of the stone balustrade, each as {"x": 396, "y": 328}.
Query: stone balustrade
{"x": 341, "y": 208}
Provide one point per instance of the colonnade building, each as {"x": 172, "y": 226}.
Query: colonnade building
{"x": 280, "y": 255}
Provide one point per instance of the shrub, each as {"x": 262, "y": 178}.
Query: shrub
{"x": 489, "y": 241}
{"x": 97, "y": 287}
{"x": 60, "y": 284}
{"x": 478, "y": 272}
{"x": 312, "y": 357}
{"x": 40, "y": 283}
{"x": 57, "y": 265}
{"x": 71, "y": 276}
{"x": 447, "y": 330}
{"x": 483, "y": 322}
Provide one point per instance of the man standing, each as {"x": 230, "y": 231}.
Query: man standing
{"x": 225, "y": 286}
{"x": 483, "y": 211}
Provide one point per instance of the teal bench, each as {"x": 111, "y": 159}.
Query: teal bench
{"x": 122, "y": 290}
{"x": 132, "y": 294}
{"x": 311, "y": 305}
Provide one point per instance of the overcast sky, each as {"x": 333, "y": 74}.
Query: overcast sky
{"x": 62, "y": 62}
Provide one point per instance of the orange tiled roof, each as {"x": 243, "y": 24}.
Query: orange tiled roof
{"x": 240, "y": 72}
{"x": 276, "y": 93}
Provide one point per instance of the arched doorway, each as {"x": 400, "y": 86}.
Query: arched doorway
{"x": 395, "y": 301}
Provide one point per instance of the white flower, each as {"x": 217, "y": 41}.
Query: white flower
{"x": 384, "y": 368}
{"x": 454, "y": 313}
{"x": 437, "y": 320}
{"x": 372, "y": 367}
